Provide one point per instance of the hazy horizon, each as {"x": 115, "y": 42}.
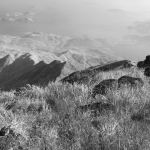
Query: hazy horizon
{"x": 111, "y": 20}
{"x": 86, "y": 17}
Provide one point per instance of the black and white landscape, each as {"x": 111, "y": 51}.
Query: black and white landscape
{"x": 74, "y": 75}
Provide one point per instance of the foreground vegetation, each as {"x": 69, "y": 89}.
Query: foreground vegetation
{"x": 46, "y": 118}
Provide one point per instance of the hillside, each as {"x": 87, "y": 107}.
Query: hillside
{"x": 53, "y": 47}
{"x": 39, "y": 110}
{"x": 19, "y": 70}
{"x": 74, "y": 75}
{"x": 52, "y": 117}
{"x": 28, "y": 69}
{"x": 37, "y": 58}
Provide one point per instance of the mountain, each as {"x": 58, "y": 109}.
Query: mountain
{"x": 56, "y": 46}
{"x": 28, "y": 13}
{"x": 5, "y": 61}
{"x": 38, "y": 41}
{"x": 19, "y": 70}
{"x": 27, "y": 20}
{"x": 38, "y": 58}
{"x": 28, "y": 69}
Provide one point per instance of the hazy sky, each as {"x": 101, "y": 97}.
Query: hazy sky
{"x": 108, "y": 19}
{"x": 132, "y": 5}
{"x": 90, "y": 17}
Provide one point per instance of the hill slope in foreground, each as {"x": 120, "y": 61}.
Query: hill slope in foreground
{"x": 57, "y": 116}
{"x": 37, "y": 58}
{"x": 48, "y": 118}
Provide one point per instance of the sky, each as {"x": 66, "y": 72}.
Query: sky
{"x": 113, "y": 20}
{"x": 131, "y": 5}
{"x": 108, "y": 19}
{"x": 91, "y": 15}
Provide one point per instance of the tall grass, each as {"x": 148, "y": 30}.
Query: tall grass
{"x": 46, "y": 118}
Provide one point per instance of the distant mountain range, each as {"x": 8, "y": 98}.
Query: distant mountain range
{"x": 37, "y": 58}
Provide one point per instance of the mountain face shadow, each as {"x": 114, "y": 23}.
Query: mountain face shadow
{"x": 28, "y": 69}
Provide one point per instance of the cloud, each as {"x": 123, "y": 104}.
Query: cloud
{"x": 25, "y": 20}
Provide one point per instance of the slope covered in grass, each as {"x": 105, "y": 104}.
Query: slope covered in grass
{"x": 46, "y": 118}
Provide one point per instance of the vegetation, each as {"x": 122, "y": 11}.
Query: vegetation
{"x": 46, "y": 118}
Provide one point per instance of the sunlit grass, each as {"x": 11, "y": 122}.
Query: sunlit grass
{"x": 46, "y": 118}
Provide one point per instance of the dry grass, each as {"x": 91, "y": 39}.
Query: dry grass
{"x": 45, "y": 118}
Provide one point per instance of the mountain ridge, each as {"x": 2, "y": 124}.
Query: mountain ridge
{"x": 30, "y": 69}
{"x": 33, "y": 57}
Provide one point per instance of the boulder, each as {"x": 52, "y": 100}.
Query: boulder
{"x": 137, "y": 117}
{"x": 103, "y": 87}
{"x": 145, "y": 63}
{"x": 130, "y": 81}
{"x": 4, "y": 131}
{"x": 147, "y": 72}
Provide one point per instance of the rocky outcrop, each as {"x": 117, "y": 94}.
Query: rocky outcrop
{"x": 85, "y": 76}
{"x": 145, "y": 63}
{"x": 147, "y": 72}
{"x": 110, "y": 84}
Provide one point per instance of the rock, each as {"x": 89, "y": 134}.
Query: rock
{"x": 147, "y": 72}
{"x": 96, "y": 124}
{"x": 104, "y": 86}
{"x": 10, "y": 106}
{"x": 145, "y": 63}
{"x": 4, "y": 131}
{"x": 9, "y": 139}
{"x": 137, "y": 117}
{"x": 127, "y": 80}
{"x": 22, "y": 90}
{"x": 96, "y": 108}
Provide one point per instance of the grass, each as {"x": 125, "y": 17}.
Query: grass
{"x": 45, "y": 118}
